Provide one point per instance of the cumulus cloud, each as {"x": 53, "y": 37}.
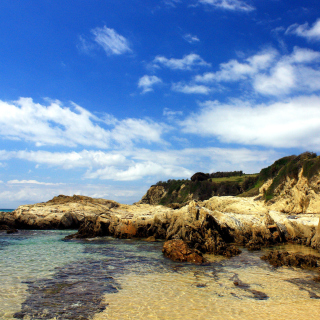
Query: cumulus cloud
{"x": 269, "y": 73}
{"x": 291, "y": 73}
{"x": 55, "y": 124}
{"x": 111, "y": 41}
{"x": 147, "y": 82}
{"x": 190, "y": 88}
{"x": 186, "y": 63}
{"x": 289, "y": 124}
{"x": 233, "y": 5}
{"x": 303, "y": 30}
{"x": 191, "y": 38}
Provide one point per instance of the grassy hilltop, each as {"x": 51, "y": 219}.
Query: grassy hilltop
{"x": 202, "y": 186}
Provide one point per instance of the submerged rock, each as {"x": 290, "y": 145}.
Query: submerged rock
{"x": 178, "y": 250}
{"x": 278, "y": 258}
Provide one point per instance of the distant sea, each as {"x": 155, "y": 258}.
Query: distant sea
{"x": 7, "y": 210}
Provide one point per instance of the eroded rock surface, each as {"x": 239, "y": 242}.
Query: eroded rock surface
{"x": 209, "y": 226}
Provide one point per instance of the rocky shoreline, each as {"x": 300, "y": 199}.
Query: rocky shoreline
{"x": 218, "y": 225}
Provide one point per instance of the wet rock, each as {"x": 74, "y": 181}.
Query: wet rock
{"x": 178, "y": 250}
{"x": 9, "y": 229}
{"x": 151, "y": 239}
{"x": 278, "y": 258}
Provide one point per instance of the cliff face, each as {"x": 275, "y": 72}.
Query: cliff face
{"x": 291, "y": 183}
{"x": 153, "y": 195}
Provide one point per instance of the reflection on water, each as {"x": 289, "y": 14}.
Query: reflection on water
{"x": 44, "y": 277}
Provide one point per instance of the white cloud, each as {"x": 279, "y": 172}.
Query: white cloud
{"x": 144, "y": 164}
{"x": 310, "y": 33}
{"x": 171, "y": 113}
{"x": 33, "y": 182}
{"x": 289, "y": 124}
{"x": 13, "y": 195}
{"x": 271, "y": 74}
{"x": 235, "y": 71}
{"x": 58, "y": 125}
{"x": 291, "y": 73}
{"x": 234, "y": 5}
{"x": 147, "y": 82}
{"x": 186, "y": 63}
{"x": 111, "y": 41}
{"x": 191, "y": 38}
{"x": 190, "y": 88}
{"x": 139, "y": 171}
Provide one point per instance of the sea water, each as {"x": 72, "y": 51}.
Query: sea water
{"x": 45, "y": 277}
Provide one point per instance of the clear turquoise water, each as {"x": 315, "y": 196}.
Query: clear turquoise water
{"x": 44, "y": 277}
{"x": 7, "y": 210}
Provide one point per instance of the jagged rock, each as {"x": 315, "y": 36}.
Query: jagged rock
{"x": 178, "y": 250}
{"x": 153, "y": 195}
{"x": 207, "y": 226}
{"x": 277, "y": 259}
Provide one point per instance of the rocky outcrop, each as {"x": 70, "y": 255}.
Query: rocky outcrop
{"x": 62, "y": 212}
{"x": 209, "y": 226}
{"x": 178, "y": 250}
{"x": 153, "y": 195}
{"x": 297, "y": 195}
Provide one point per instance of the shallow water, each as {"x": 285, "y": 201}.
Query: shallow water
{"x": 44, "y": 277}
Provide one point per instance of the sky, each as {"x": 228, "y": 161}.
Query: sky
{"x": 104, "y": 98}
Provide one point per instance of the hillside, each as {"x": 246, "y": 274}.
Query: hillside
{"x": 277, "y": 180}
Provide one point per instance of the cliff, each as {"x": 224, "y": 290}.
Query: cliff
{"x": 291, "y": 182}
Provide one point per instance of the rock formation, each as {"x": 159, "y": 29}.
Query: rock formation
{"x": 178, "y": 250}
{"x": 291, "y": 213}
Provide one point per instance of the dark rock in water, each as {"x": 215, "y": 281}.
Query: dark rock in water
{"x": 257, "y": 295}
{"x": 306, "y": 261}
{"x": 178, "y": 250}
{"x": 76, "y": 292}
{"x": 9, "y": 230}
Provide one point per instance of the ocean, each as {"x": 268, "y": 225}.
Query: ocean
{"x": 46, "y": 277}
{"x": 7, "y": 210}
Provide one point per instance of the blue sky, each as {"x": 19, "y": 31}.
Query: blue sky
{"x": 104, "y": 98}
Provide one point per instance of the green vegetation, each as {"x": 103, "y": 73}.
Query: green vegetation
{"x": 180, "y": 191}
{"x": 202, "y": 186}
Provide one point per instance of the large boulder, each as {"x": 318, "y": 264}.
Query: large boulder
{"x": 178, "y": 250}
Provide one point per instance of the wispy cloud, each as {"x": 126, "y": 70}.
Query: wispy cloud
{"x": 186, "y": 63}
{"x": 190, "y": 88}
{"x": 55, "y": 124}
{"x": 147, "y": 82}
{"x": 191, "y": 38}
{"x": 303, "y": 30}
{"x": 288, "y": 124}
{"x": 111, "y": 41}
{"x": 33, "y": 182}
{"x": 138, "y": 164}
{"x": 233, "y": 5}
{"x": 235, "y": 70}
